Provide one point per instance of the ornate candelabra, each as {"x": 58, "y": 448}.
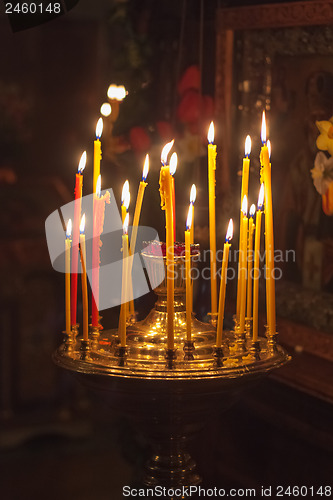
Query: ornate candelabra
{"x": 170, "y": 394}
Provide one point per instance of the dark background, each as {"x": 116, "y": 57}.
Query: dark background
{"x": 56, "y": 441}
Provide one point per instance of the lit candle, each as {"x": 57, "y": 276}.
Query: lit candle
{"x": 124, "y": 295}
{"x": 244, "y": 192}
{"x": 68, "y": 243}
{"x": 84, "y": 278}
{"x": 223, "y": 284}
{"x": 166, "y": 204}
{"x": 212, "y": 229}
{"x": 125, "y": 201}
{"x": 269, "y": 236}
{"x": 242, "y": 269}
{"x": 193, "y": 196}
{"x": 173, "y": 160}
{"x": 76, "y": 235}
{"x": 136, "y": 219}
{"x": 250, "y": 262}
{"x": 256, "y": 270}
{"x": 99, "y": 210}
{"x": 188, "y": 273}
{"x": 138, "y": 205}
{"x": 97, "y": 153}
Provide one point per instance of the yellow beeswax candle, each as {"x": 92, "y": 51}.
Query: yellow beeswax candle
{"x": 84, "y": 279}
{"x": 223, "y": 284}
{"x": 250, "y": 262}
{"x": 256, "y": 270}
{"x": 166, "y": 204}
{"x": 68, "y": 243}
{"x": 212, "y": 221}
{"x": 138, "y": 204}
{"x": 269, "y": 235}
{"x": 97, "y": 153}
{"x": 124, "y": 282}
{"x": 188, "y": 274}
{"x": 243, "y": 261}
{"x": 193, "y": 196}
{"x": 244, "y": 191}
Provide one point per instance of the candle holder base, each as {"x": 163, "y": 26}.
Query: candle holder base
{"x": 170, "y": 356}
{"x": 255, "y": 350}
{"x": 85, "y": 350}
{"x": 189, "y": 350}
{"x": 213, "y": 317}
{"x": 218, "y": 355}
{"x": 94, "y": 334}
{"x": 272, "y": 340}
{"x": 121, "y": 353}
{"x": 70, "y": 338}
{"x": 248, "y": 328}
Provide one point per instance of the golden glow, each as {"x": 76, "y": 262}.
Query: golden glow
{"x": 230, "y": 231}
{"x": 211, "y": 133}
{"x": 121, "y": 93}
{"x": 83, "y": 223}
{"x": 99, "y": 128}
{"x": 124, "y": 191}
{"x": 98, "y": 186}
{"x": 69, "y": 229}
{"x": 82, "y": 163}
{"x": 193, "y": 194}
{"x": 165, "y": 151}
{"x": 252, "y": 210}
{"x": 189, "y": 218}
{"x": 173, "y": 163}
{"x": 145, "y": 168}
{"x": 263, "y": 128}
{"x": 244, "y": 206}
{"x": 106, "y": 109}
{"x": 261, "y": 196}
{"x": 269, "y": 147}
{"x": 247, "y": 145}
{"x": 125, "y": 226}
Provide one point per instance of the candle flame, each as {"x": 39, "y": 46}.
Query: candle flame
{"x": 99, "y": 128}
{"x": 165, "y": 151}
{"x": 125, "y": 226}
{"x": 189, "y": 218}
{"x": 106, "y": 109}
{"x": 116, "y": 92}
{"x": 127, "y": 200}
{"x": 121, "y": 93}
{"x": 193, "y": 194}
{"x": 98, "y": 186}
{"x": 261, "y": 196}
{"x": 173, "y": 163}
{"x": 124, "y": 191}
{"x": 145, "y": 168}
{"x": 211, "y": 133}
{"x": 112, "y": 91}
{"x": 252, "y": 210}
{"x": 244, "y": 206}
{"x": 83, "y": 223}
{"x": 69, "y": 229}
{"x": 230, "y": 231}
{"x": 82, "y": 162}
{"x": 248, "y": 146}
{"x": 269, "y": 147}
{"x": 263, "y": 128}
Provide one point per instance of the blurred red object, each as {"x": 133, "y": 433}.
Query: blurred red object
{"x": 165, "y": 130}
{"x": 189, "y": 80}
{"x": 139, "y": 139}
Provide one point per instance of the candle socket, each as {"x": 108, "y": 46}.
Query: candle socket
{"x": 70, "y": 338}
{"x": 213, "y": 317}
{"x": 121, "y": 353}
{"x": 132, "y": 318}
{"x": 236, "y": 323}
{"x": 85, "y": 350}
{"x": 189, "y": 350}
{"x": 272, "y": 340}
{"x": 255, "y": 350}
{"x": 240, "y": 341}
{"x": 248, "y": 328}
{"x": 218, "y": 357}
{"x": 94, "y": 336}
{"x": 170, "y": 356}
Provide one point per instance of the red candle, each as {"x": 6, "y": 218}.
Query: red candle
{"x": 76, "y": 235}
{"x": 99, "y": 210}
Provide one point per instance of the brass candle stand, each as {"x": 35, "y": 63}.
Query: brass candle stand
{"x": 170, "y": 394}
